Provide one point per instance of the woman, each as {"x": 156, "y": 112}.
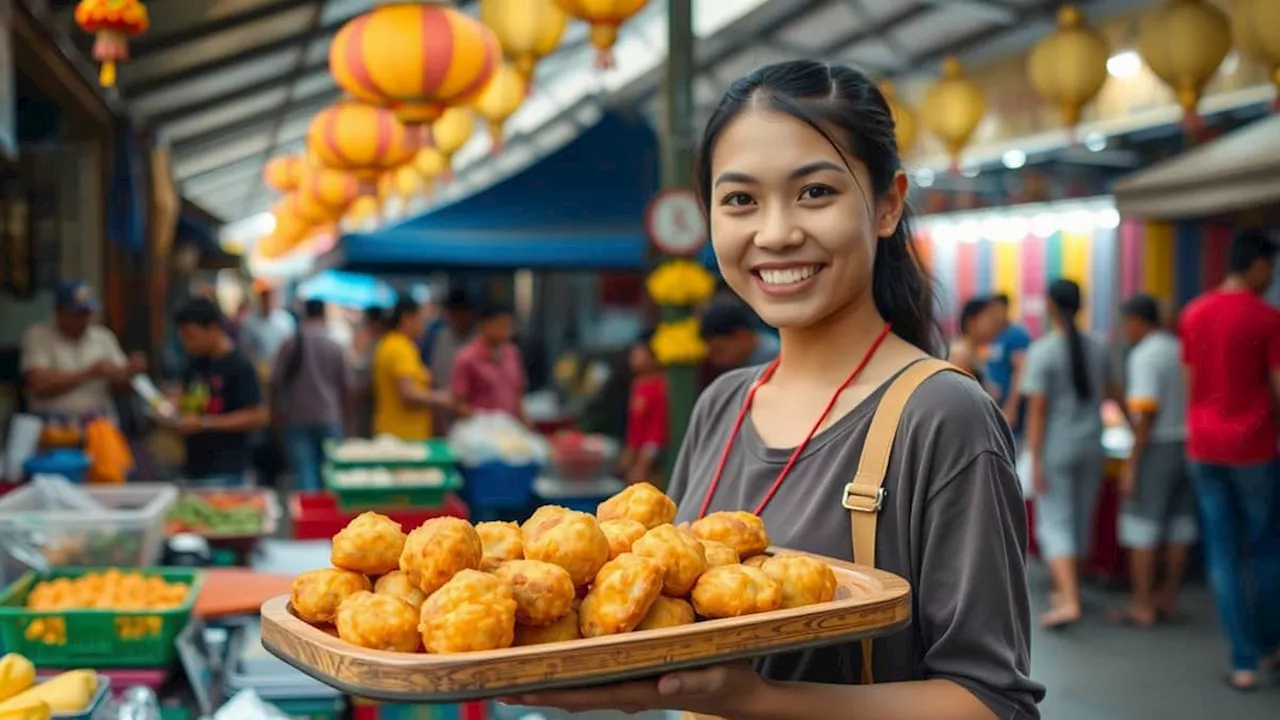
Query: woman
{"x": 977, "y": 329}
{"x": 806, "y": 198}
{"x": 402, "y": 395}
{"x": 1066, "y": 377}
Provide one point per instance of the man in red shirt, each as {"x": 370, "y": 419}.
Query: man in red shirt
{"x": 647, "y": 415}
{"x": 488, "y": 372}
{"x": 1231, "y": 349}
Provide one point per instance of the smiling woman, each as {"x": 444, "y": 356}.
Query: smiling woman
{"x": 803, "y": 185}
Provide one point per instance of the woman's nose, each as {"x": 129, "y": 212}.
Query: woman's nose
{"x": 779, "y": 231}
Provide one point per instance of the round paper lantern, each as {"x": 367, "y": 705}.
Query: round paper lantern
{"x": 527, "y": 30}
{"x": 111, "y": 22}
{"x": 414, "y": 58}
{"x": 307, "y": 209}
{"x": 1183, "y": 43}
{"x": 1069, "y": 67}
{"x": 499, "y": 100}
{"x": 430, "y": 165}
{"x": 452, "y": 131}
{"x": 402, "y": 184}
{"x": 953, "y": 108}
{"x": 329, "y": 188}
{"x": 904, "y": 118}
{"x": 363, "y": 214}
{"x": 604, "y": 17}
{"x": 361, "y": 139}
{"x": 283, "y": 173}
{"x": 1256, "y": 28}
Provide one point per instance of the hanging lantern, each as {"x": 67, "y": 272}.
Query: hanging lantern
{"x": 953, "y": 108}
{"x": 331, "y": 189}
{"x": 1183, "y": 43}
{"x": 430, "y": 164}
{"x": 283, "y": 173}
{"x": 363, "y": 214}
{"x": 452, "y": 131}
{"x": 1069, "y": 67}
{"x": 604, "y": 17}
{"x": 414, "y": 58}
{"x": 527, "y": 30}
{"x": 399, "y": 184}
{"x": 904, "y": 118}
{"x": 361, "y": 139}
{"x": 499, "y": 100}
{"x": 1256, "y": 29}
{"x": 305, "y": 208}
{"x": 112, "y": 23}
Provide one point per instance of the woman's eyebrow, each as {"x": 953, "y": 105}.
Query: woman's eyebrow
{"x": 800, "y": 172}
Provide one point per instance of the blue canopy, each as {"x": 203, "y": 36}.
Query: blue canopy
{"x": 348, "y": 290}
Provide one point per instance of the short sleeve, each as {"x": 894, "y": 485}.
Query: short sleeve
{"x": 246, "y": 391}
{"x": 974, "y": 617}
{"x": 403, "y": 361}
{"x": 679, "y": 484}
{"x": 460, "y": 380}
{"x": 36, "y": 352}
{"x": 1142, "y": 394}
{"x": 111, "y": 347}
{"x": 1019, "y": 341}
{"x": 1035, "y": 375}
{"x": 1273, "y": 342}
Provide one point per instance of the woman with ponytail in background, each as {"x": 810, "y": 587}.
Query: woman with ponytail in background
{"x": 1067, "y": 377}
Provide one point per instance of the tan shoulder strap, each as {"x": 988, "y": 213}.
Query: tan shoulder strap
{"x": 864, "y": 497}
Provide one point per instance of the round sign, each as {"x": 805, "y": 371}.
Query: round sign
{"x": 675, "y": 223}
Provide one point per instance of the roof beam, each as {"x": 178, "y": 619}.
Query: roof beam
{"x": 152, "y": 44}
{"x": 994, "y": 10}
{"x": 232, "y": 97}
{"x": 232, "y": 130}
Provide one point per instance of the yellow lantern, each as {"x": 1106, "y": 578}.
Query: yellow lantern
{"x": 361, "y": 139}
{"x": 1069, "y": 67}
{"x": 527, "y": 30}
{"x": 604, "y": 17}
{"x": 307, "y": 209}
{"x": 402, "y": 183}
{"x": 363, "y": 213}
{"x": 430, "y": 164}
{"x": 452, "y": 131}
{"x": 1256, "y": 28}
{"x": 953, "y": 108}
{"x": 328, "y": 188}
{"x": 499, "y": 100}
{"x": 1183, "y": 43}
{"x": 283, "y": 173}
{"x": 904, "y": 118}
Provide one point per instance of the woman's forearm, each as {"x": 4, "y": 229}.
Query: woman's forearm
{"x": 923, "y": 700}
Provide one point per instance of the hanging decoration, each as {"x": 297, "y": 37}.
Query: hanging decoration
{"x": 430, "y": 164}
{"x": 415, "y": 59}
{"x": 953, "y": 108}
{"x": 1069, "y": 67}
{"x": 1256, "y": 29}
{"x": 680, "y": 283}
{"x": 453, "y": 131}
{"x": 527, "y": 30}
{"x": 112, "y": 23}
{"x": 307, "y": 209}
{"x": 361, "y": 139}
{"x": 399, "y": 184}
{"x": 282, "y": 174}
{"x": 363, "y": 215}
{"x": 333, "y": 190}
{"x": 499, "y": 100}
{"x": 904, "y": 118}
{"x": 679, "y": 342}
{"x": 1184, "y": 42}
{"x": 604, "y": 17}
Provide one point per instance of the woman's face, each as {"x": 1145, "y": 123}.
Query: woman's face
{"x": 794, "y": 224}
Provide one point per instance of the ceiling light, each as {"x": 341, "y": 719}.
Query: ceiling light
{"x": 1014, "y": 159}
{"x": 970, "y": 171}
{"x": 924, "y": 177}
{"x": 1124, "y": 64}
{"x": 1095, "y": 141}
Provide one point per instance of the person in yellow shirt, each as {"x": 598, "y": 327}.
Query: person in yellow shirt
{"x": 402, "y": 394}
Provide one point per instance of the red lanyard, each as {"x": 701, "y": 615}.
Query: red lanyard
{"x": 795, "y": 455}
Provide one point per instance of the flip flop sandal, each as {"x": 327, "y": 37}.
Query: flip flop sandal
{"x": 1232, "y": 684}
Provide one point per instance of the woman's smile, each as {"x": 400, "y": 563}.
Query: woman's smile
{"x": 786, "y": 280}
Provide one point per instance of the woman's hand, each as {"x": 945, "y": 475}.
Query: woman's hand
{"x": 724, "y": 691}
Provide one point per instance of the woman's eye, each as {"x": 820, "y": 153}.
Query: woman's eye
{"x": 816, "y": 192}
{"x": 736, "y": 200}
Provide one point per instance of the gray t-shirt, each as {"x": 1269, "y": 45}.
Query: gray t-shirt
{"x": 1155, "y": 383}
{"x": 1071, "y": 423}
{"x": 318, "y": 394}
{"x": 954, "y": 525}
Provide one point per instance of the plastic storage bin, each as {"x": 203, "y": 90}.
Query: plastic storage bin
{"x": 316, "y": 515}
{"x": 497, "y": 485}
{"x": 130, "y": 533}
{"x": 250, "y": 667}
{"x": 70, "y": 464}
{"x": 354, "y": 498}
{"x": 439, "y": 454}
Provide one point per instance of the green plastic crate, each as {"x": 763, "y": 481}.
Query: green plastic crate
{"x": 92, "y": 639}
{"x": 352, "y": 499}
{"x": 439, "y": 454}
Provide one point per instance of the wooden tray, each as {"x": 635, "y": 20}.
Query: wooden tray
{"x": 868, "y": 603}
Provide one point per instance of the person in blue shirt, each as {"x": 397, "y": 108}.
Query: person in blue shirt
{"x": 1005, "y": 358}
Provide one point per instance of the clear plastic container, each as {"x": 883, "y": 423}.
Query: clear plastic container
{"x": 251, "y": 667}
{"x": 128, "y": 532}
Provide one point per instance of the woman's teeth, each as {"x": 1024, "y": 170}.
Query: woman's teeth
{"x": 787, "y": 276}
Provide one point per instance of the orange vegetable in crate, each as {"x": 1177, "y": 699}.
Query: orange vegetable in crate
{"x": 112, "y": 22}
{"x": 109, "y": 454}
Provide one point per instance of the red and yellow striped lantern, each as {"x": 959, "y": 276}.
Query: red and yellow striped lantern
{"x": 604, "y": 17}
{"x": 111, "y": 22}
{"x": 305, "y": 208}
{"x": 414, "y": 58}
{"x": 527, "y": 30}
{"x": 360, "y": 139}
{"x": 333, "y": 189}
{"x": 499, "y": 100}
{"x": 283, "y": 173}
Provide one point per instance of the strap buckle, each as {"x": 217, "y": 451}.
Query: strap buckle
{"x": 858, "y": 500}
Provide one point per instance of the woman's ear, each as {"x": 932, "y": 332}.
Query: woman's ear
{"x": 892, "y": 204}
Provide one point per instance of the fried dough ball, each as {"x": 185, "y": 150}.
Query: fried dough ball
{"x": 544, "y": 592}
{"x": 641, "y": 502}
{"x": 397, "y": 584}
{"x": 566, "y": 538}
{"x": 501, "y": 541}
{"x": 378, "y": 622}
{"x": 682, "y": 558}
{"x": 369, "y": 544}
{"x": 735, "y": 590}
{"x": 804, "y": 580}
{"x": 438, "y": 550}
{"x": 473, "y": 611}
{"x": 622, "y": 533}
{"x": 719, "y": 554}
{"x": 621, "y": 595}
{"x": 756, "y": 561}
{"x": 316, "y": 594}
{"x": 741, "y": 531}
{"x": 562, "y": 630}
{"x": 667, "y": 612}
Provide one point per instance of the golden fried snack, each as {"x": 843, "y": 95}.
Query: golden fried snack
{"x": 544, "y": 592}
{"x": 719, "y": 554}
{"x": 804, "y": 580}
{"x": 682, "y": 558}
{"x": 667, "y": 612}
{"x": 622, "y": 533}
{"x": 501, "y": 542}
{"x": 378, "y": 622}
{"x": 437, "y": 550}
{"x": 566, "y": 538}
{"x": 473, "y": 611}
{"x": 741, "y": 531}
{"x": 564, "y": 629}
{"x": 756, "y": 561}
{"x": 641, "y": 502}
{"x": 397, "y": 584}
{"x": 316, "y": 594}
{"x": 621, "y": 595}
{"x": 369, "y": 544}
{"x": 735, "y": 590}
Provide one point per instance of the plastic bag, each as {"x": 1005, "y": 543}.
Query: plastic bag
{"x": 497, "y": 437}
{"x": 248, "y": 705}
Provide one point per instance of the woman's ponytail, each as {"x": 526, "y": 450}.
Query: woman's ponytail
{"x": 1065, "y": 296}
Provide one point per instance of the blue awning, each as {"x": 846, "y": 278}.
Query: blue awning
{"x": 348, "y": 290}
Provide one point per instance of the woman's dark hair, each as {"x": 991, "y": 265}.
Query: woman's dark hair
{"x": 1065, "y": 296}
{"x": 311, "y": 310}
{"x": 405, "y": 306}
{"x": 971, "y": 310}
{"x": 847, "y": 108}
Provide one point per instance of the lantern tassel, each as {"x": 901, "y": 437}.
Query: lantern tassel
{"x": 107, "y": 74}
{"x": 604, "y": 59}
